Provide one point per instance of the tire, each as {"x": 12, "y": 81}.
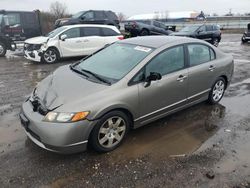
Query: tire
{"x": 215, "y": 42}
{"x": 2, "y": 49}
{"x": 243, "y": 39}
{"x": 144, "y": 32}
{"x": 51, "y": 55}
{"x": 107, "y": 135}
{"x": 217, "y": 91}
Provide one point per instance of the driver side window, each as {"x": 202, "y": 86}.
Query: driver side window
{"x": 167, "y": 62}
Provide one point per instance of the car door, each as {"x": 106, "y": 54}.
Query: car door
{"x": 92, "y": 39}
{"x": 201, "y": 71}
{"x": 73, "y": 44}
{"x": 169, "y": 93}
{"x": 202, "y": 33}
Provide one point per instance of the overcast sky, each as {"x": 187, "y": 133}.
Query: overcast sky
{"x": 132, "y": 7}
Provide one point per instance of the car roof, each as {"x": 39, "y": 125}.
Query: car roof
{"x": 158, "y": 41}
{"x": 89, "y": 25}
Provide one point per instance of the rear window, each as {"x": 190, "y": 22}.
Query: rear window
{"x": 90, "y": 31}
{"x": 111, "y": 15}
{"x": 109, "y": 32}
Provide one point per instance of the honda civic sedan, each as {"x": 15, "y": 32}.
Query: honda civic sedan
{"x": 124, "y": 86}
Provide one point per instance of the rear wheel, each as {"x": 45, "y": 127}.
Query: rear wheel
{"x": 217, "y": 91}
{"x": 243, "y": 39}
{"x": 109, "y": 132}
{"x": 144, "y": 32}
{"x": 2, "y": 49}
{"x": 50, "y": 56}
{"x": 215, "y": 42}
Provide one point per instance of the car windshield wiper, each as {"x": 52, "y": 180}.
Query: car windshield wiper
{"x": 97, "y": 76}
{"x": 72, "y": 67}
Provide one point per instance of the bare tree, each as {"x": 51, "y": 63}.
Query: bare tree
{"x": 58, "y": 10}
{"x": 121, "y": 16}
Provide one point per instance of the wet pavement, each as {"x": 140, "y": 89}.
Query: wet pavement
{"x": 202, "y": 146}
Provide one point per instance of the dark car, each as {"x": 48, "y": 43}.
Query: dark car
{"x": 146, "y": 27}
{"x": 246, "y": 35}
{"x": 90, "y": 17}
{"x": 17, "y": 26}
{"x": 208, "y": 32}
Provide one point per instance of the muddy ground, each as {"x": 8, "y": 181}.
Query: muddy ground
{"x": 203, "y": 146}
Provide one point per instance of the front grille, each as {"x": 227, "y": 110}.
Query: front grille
{"x": 31, "y": 47}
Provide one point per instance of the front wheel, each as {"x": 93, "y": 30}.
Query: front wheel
{"x": 217, "y": 91}
{"x": 50, "y": 56}
{"x": 2, "y": 49}
{"x": 110, "y": 131}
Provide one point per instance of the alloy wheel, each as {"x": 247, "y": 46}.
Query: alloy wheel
{"x": 218, "y": 90}
{"x": 50, "y": 56}
{"x": 112, "y": 132}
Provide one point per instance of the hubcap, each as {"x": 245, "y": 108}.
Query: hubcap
{"x": 50, "y": 56}
{"x": 1, "y": 49}
{"x": 218, "y": 90}
{"x": 112, "y": 132}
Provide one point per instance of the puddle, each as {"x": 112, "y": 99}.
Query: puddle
{"x": 179, "y": 134}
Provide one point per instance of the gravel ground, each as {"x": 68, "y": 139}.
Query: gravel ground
{"x": 202, "y": 146}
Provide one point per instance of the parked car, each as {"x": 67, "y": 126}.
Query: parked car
{"x": 90, "y": 17}
{"x": 70, "y": 41}
{"x": 146, "y": 27}
{"x": 17, "y": 26}
{"x": 246, "y": 35}
{"x": 208, "y": 32}
{"x": 124, "y": 86}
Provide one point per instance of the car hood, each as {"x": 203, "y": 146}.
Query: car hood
{"x": 64, "y": 87}
{"x": 37, "y": 40}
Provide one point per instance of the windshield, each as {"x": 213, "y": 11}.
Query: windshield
{"x": 190, "y": 29}
{"x": 55, "y": 32}
{"x": 1, "y": 19}
{"x": 115, "y": 61}
{"x": 77, "y": 15}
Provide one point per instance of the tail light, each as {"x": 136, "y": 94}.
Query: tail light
{"x": 120, "y": 37}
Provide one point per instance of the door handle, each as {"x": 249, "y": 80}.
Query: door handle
{"x": 86, "y": 40}
{"x": 78, "y": 41}
{"x": 211, "y": 68}
{"x": 181, "y": 78}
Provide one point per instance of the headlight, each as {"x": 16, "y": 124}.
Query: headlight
{"x": 63, "y": 22}
{"x": 63, "y": 117}
{"x": 37, "y": 46}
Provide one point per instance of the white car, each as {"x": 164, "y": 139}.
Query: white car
{"x": 70, "y": 41}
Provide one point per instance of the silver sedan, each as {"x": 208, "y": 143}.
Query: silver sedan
{"x": 124, "y": 86}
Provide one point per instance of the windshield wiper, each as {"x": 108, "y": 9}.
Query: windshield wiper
{"x": 97, "y": 76}
{"x": 72, "y": 67}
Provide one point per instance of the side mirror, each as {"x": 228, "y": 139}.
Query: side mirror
{"x": 152, "y": 77}
{"x": 199, "y": 31}
{"x": 63, "y": 37}
{"x": 83, "y": 18}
